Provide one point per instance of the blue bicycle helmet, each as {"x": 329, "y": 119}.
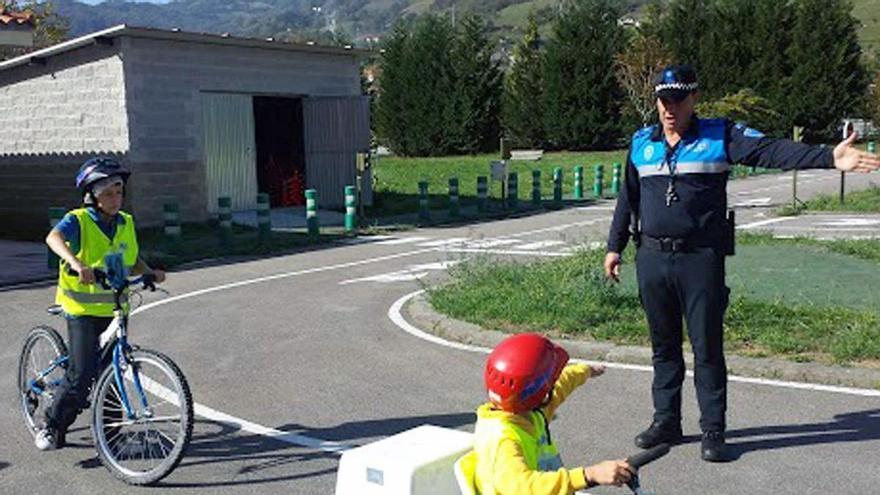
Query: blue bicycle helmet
{"x": 96, "y": 169}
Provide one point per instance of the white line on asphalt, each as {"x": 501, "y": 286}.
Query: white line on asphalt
{"x": 394, "y": 313}
{"x": 763, "y": 222}
{"x": 402, "y": 240}
{"x": 539, "y": 245}
{"x": 504, "y": 251}
{"x": 443, "y": 242}
{"x": 489, "y": 243}
{"x": 250, "y": 427}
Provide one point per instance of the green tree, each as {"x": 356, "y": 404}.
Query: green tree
{"x": 472, "y": 122}
{"x": 743, "y": 106}
{"x": 636, "y": 67}
{"x": 415, "y": 82}
{"x": 683, "y": 27}
{"x": 827, "y": 81}
{"x": 582, "y": 97}
{"x": 49, "y": 27}
{"x": 523, "y": 111}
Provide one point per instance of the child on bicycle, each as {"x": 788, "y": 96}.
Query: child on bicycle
{"x": 82, "y": 239}
{"x": 527, "y": 379}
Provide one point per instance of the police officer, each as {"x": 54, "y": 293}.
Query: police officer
{"x": 674, "y": 206}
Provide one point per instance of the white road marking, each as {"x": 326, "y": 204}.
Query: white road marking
{"x": 763, "y": 222}
{"x": 539, "y": 245}
{"x": 402, "y": 240}
{"x": 394, "y": 313}
{"x": 505, "y": 251}
{"x": 754, "y": 202}
{"x": 414, "y": 272}
{"x": 850, "y": 222}
{"x": 254, "y": 428}
{"x": 443, "y": 242}
{"x": 489, "y": 243}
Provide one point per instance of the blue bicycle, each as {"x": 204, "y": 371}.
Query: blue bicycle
{"x": 142, "y": 409}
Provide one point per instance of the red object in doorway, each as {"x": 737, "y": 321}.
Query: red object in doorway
{"x": 293, "y": 193}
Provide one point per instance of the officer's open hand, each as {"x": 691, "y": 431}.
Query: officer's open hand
{"x": 612, "y": 266}
{"x": 850, "y": 159}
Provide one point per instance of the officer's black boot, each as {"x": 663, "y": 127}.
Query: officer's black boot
{"x": 713, "y": 447}
{"x": 658, "y": 433}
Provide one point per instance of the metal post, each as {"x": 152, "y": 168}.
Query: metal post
{"x": 224, "y": 218}
{"x": 454, "y": 211}
{"x": 264, "y": 220}
{"x": 424, "y": 214}
{"x": 312, "y": 224}
{"x": 172, "y": 224}
{"x": 513, "y": 191}
{"x": 56, "y": 213}
{"x": 536, "y": 187}
{"x": 597, "y": 180}
{"x": 797, "y": 136}
{"x": 615, "y": 179}
{"x": 579, "y": 182}
{"x": 557, "y": 187}
{"x": 482, "y": 193}
{"x": 350, "y": 210}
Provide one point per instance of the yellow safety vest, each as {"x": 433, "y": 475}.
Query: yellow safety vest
{"x": 79, "y": 299}
{"x": 540, "y": 453}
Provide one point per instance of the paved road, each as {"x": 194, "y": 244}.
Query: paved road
{"x": 302, "y": 345}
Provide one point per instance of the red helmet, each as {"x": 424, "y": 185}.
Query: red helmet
{"x": 521, "y": 371}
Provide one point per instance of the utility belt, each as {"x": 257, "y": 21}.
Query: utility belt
{"x": 726, "y": 244}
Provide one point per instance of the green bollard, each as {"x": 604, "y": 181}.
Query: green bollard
{"x": 264, "y": 220}
{"x": 615, "y": 179}
{"x": 513, "y": 191}
{"x": 597, "y": 181}
{"x": 872, "y": 147}
{"x": 56, "y": 213}
{"x": 224, "y": 217}
{"x": 172, "y": 225}
{"x": 312, "y": 222}
{"x": 536, "y": 187}
{"x": 424, "y": 214}
{"x": 557, "y": 187}
{"x": 454, "y": 211}
{"x": 579, "y": 182}
{"x": 350, "y": 210}
{"x": 482, "y": 193}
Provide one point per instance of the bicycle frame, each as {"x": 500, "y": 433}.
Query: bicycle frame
{"x": 118, "y": 331}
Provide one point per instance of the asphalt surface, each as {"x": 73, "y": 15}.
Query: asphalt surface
{"x": 303, "y": 345}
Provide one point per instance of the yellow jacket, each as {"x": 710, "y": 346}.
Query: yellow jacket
{"x": 505, "y": 463}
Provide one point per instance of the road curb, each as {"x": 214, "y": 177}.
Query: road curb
{"x": 420, "y": 313}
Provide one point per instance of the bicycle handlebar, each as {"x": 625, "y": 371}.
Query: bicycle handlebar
{"x": 101, "y": 277}
{"x": 650, "y": 455}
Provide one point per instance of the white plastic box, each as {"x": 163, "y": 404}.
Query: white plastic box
{"x": 419, "y": 461}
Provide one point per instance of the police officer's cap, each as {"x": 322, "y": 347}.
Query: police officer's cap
{"x": 675, "y": 82}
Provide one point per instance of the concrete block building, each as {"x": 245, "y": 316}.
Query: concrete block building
{"x": 195, "y": 117}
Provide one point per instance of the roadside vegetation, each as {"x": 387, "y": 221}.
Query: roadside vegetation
{"x": 802, "y": 316}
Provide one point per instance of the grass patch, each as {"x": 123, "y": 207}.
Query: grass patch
{"x": 396, "y": 179}
{"x": 866, "y": 249}
{"x": 865, "y": 201}
{"x": 570, "y": 297}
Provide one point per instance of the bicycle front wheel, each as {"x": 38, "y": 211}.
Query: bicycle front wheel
{"x": 41, "y": 368}
{"x": 144, "y": 447}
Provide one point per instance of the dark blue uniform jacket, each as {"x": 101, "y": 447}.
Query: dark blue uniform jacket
{"x": 699, "y": 165}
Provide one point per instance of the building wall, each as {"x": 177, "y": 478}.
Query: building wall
{"x": 164, "y": 80}
{"x": 53, "y": 118}
{"x": 73, "y": 104}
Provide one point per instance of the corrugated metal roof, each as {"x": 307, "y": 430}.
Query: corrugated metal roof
{"x": 11, "y": 17}
{"x": 124, "y": 30}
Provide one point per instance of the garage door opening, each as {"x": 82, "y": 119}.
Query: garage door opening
{"x": 281, "y": 167}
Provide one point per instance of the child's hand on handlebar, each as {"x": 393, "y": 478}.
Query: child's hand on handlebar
{"x": 86, "y": 274}
{"x": 608, "y": 473}
{"x": 596, "y": 370}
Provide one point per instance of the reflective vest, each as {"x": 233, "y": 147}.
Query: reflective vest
{"x": 540, "y": 453}
{"x": 706, "y": 154}
{"x": 80, "y": 299}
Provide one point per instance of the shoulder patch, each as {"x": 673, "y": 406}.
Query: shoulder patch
{"x": 748, "y": 131}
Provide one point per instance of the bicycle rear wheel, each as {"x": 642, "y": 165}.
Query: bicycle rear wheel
{"x": 145, "y": 448}
{"x": 41, "y": 368}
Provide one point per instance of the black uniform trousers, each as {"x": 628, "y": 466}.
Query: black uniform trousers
{"x": 688, "y": 284}
{"x": 72, "y": 396}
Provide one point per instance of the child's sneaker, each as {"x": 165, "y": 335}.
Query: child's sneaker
{"x": 47, "y": 439}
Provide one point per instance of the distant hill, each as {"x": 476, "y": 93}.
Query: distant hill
{"x": 354, "y": 20}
